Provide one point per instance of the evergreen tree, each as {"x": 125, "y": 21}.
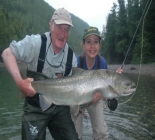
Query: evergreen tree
{"x": 149, "y": 32}
{"x": 121, "y": 32}
{"x": 3, "y": 36}
{"x": 108, "y": 49}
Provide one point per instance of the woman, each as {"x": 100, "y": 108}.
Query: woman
{"x": 89, "y": 60}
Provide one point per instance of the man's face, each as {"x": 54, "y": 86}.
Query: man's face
{"x": 60, "y": 33}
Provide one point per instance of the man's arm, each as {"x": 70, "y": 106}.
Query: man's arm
{"x": 11, "y": 65}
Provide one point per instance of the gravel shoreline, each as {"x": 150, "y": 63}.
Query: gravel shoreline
{"x": 144, "y": 69}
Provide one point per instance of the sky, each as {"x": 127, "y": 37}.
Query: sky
{"x": 94, "y": 12}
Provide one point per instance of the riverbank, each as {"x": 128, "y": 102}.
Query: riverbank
{"x": 144, "y": 69}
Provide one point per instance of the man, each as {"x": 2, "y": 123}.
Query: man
{"x": 56, "y": 118}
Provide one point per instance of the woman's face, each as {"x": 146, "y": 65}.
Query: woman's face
{"x": 91, "y": 46}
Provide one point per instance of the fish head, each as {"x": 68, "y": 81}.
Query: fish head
{"x": 121, "y": 85}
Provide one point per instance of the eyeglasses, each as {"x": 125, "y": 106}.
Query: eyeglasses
{"x": 54, "y": 66}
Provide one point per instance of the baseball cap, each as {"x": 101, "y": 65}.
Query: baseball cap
{"x": 62, "y": 16}
{"x": 91, "y": 31}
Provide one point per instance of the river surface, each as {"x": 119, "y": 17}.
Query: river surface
{"x": 134, "y": 120}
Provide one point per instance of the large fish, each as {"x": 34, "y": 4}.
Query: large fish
{"x": 79, "y": 88}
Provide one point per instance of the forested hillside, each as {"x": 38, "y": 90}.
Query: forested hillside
{"x": 21, "y": 17}
{"x": 24, "y": 17}
{"x": 121, "y": 26}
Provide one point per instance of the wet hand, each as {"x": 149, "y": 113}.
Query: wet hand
{"x": 26, "y": 87}
{"x": 104, "y": 99}
{"x": 120, "y": 70}
{"x": 97, "y": 96}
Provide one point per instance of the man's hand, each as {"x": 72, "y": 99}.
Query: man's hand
{"x": 26, "y": 87}
{"x": 11, "y": 65}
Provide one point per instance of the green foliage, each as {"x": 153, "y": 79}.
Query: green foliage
{"x": 108, "y": 49}
{"x": 19, "y": 18}
{"x": 3, "y": 37}
{"x": 122, "y": 25}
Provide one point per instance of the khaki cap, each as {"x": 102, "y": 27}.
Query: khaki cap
{"x": 62, "y": 16}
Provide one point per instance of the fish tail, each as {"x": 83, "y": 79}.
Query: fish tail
{"x": 21, "y": 95}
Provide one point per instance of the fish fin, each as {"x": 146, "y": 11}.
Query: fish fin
{"x": 74, "y": 109}
{"x": 21, "y": 95}
{"x": 76, "y": 70}
{"x": 23, "y": 75}
{"x": 36, "y": 75}
{"x": 44, "y": 102}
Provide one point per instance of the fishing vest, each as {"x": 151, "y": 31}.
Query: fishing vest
{"x": 41, "y": 60}
{"x": 82, "y": 62}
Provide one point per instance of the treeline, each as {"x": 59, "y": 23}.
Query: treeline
{"x": 121, "y": 26}
{"x": 25, "y": 17}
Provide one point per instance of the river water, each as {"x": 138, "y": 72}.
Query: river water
{"x": 134, "y": 120}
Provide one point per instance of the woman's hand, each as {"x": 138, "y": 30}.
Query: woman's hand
{"x": 120, "y": 70}
{"x": 97, "y": 96}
